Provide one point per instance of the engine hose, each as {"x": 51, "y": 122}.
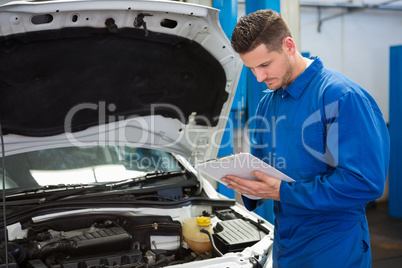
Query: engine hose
{"x": 46, "y": 250}
{"x": 214, "y": 248}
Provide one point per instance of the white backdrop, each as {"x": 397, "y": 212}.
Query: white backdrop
{"x": 356, "y": 44}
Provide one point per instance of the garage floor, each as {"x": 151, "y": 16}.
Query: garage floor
{"x": 385, "y": 236}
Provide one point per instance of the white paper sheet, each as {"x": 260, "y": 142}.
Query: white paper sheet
{"x": 241, "y": 165}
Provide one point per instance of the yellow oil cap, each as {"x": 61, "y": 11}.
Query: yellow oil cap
{"x": 203, "y": 221}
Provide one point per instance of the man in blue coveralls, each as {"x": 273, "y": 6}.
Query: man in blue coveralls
{"x": 327, "y": 133}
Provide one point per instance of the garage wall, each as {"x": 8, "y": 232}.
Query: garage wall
{"x": 356, "y": 44}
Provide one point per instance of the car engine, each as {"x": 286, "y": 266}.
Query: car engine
{"x": 110, "y": 240}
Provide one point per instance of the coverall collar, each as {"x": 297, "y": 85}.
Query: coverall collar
{"x": 296, "y": 88}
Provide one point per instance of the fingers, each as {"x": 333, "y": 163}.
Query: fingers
{"x": 265, "y": 187}
{"x": 240, "y": 185}
{"x": 248, "y": 183}
{"x": 262, "y": 176}
{"x": 240, "y": 188}
{"x": 234, "y": 180}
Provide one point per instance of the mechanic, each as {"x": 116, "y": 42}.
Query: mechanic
{"x": 330, "y": 137}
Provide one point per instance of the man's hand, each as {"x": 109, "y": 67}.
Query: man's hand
{"x": 268, "y": 187}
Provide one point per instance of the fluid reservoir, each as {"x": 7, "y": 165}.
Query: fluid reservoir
{"x": 197, "y": 241}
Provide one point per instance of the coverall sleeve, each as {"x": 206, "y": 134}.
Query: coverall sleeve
{"x": 358, "y": 139}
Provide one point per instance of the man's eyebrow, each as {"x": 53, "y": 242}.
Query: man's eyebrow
{"x": 259, "y": 65}
{"x": 264, "y": 63}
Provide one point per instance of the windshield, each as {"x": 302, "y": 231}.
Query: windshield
{"x": 84, "y": 165}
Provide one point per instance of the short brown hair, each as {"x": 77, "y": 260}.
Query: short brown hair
{"x": 261, "y": 27}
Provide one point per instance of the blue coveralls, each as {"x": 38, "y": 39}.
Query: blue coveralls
{"x": 328, "y": 134}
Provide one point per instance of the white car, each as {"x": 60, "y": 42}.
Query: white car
{"x": 105, "y": 109}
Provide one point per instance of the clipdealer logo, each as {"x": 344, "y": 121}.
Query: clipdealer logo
{"x": 112, "y": 129}
{"x": 150, "y": 132}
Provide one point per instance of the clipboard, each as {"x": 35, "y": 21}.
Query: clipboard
{"x": 241, "y": 165}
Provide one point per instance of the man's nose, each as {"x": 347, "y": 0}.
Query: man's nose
{"x": 260, "y": 75}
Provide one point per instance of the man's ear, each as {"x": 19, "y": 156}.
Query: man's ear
{"x": 289, "y": 45}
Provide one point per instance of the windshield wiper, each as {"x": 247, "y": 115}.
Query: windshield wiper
{"x": 75, "y": 191}
{"x": 43, "y": 189}
{"x": 143, "y": 178}
{"x": 113, "y": 185}
{"x": 64, "y": 190}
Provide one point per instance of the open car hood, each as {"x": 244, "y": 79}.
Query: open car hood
{"x": 139, "y": 73}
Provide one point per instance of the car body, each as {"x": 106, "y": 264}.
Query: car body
{"x": 105, "y": 109}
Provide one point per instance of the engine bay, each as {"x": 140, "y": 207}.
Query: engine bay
{"x": 126, "y": 239}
